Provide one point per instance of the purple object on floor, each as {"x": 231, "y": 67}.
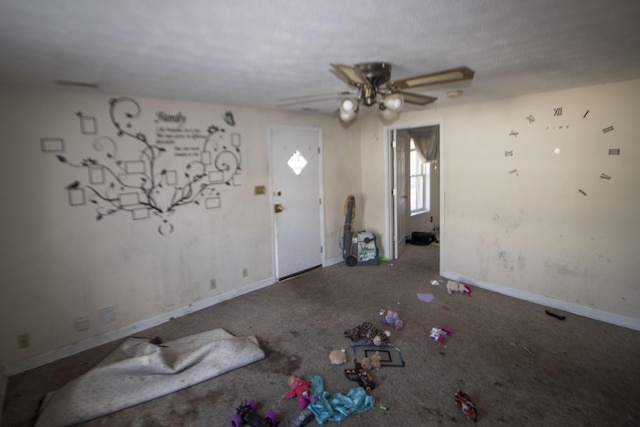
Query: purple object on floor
{"x": 425, "y": 297}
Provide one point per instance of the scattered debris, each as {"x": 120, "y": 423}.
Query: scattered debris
{"x": 299, "y": 388}
{"x": 425, "y": 297}
{"x": 246, "y": 413}
{"x": 338, "y": 357}
{"x": 303, "y": 417}
{"x": 368, "y": 332}
{"x": 361, "y": 376}
{"x": 455, "y": 286}
{"x": 389, "y": 355}
{"x": 434, "y": 283}
{"x": 383, "y": 408}
{"x": 557, "y": 316}
{"x": 390, "y": 317}
{"x": 439, "y": 334}
{"x": 464, "y": 402}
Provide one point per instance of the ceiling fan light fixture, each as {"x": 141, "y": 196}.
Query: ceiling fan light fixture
{"x": 393, "y": 102}
{"x": 387, "y": 113}
{"x": 348, "y": 109}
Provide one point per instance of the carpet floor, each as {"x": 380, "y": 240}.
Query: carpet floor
{"x": 520, "y": 366}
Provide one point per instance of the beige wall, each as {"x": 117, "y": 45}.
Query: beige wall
{"x": 516, "y": 224}
{"x": 519, "y": 224}
{"x": 58, "y": 263}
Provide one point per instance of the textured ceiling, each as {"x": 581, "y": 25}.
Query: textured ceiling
{"x": 252, "y": 53}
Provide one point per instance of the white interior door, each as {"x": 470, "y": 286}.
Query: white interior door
{"x": 295, "y": 169}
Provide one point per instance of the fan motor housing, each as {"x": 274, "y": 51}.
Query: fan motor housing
{"x": 378, "y": 73}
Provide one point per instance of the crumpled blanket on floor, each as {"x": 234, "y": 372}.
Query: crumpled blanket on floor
{"x": 138, "y": 371}
{"x": 337, "y": 407}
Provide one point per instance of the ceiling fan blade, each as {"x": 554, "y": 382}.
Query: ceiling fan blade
{"x": 446, "y": 76}
{"x": 312, "y": 98}
{"x": 351, "y": 75}
{"x": 417, "y": 99}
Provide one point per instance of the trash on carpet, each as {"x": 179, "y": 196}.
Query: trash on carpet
{"x": 303, "y": 417}
{"x": 338, "y": 357}
{"x": 299, "y": 388}
{"x": 389, "y": 355}
{"x": 337, "y": 407}
{"x": 361, "y": 375}
{"x": 557, "y": 316}
{"x": 439, "y": 334}
{"x": 390, "y": 317}
{"x": 368, "y": 332}
{"x": 246, "y": 413}
{"x": 455, "y": 286}
{"x": 425, "y": 297}
{"x": 434, "y": 283}
{"x": 422, "y": 238}
{"x": 464, "y": 402}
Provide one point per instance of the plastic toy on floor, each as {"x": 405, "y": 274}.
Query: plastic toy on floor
{"x": 338, "y": 357}
{"x": 439, "y": 334}
{"x": 466, "y": 405}
{"x": 299, "y": 388}
{"x": 303, "y": 417}
{"x": 454, "y": 286}
{"x": 246, "y": 413}
{"x": 390, "y": 317}
{"x": 361, "y": 376}
{"x": 368, "y": 332}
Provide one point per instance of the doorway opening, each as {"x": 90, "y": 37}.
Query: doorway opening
{"x": 415, "y": 180}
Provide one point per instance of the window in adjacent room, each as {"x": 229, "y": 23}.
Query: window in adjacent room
{"x": 420, "y": 181}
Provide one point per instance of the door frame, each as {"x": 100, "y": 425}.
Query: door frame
{"x": 390, "y": 167}
{"x": 274, "y": 242}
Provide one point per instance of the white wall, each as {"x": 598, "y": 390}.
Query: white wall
{"x": 519, "y": 223}
{"x": 59, "y": 263}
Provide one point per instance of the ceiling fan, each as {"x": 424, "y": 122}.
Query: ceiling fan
{"x": 371, "y": 84}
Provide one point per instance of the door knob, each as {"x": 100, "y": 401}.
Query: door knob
{"x": 278, "y": 208}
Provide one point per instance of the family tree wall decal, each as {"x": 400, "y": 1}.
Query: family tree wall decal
{"x": 185, "y": 166}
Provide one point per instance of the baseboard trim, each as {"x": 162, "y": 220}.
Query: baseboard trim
{"x": 581, "y": 310}
{"x": 3, "y": 390}
{"x": 71, "y": 349}
{"x": 332, "y": 261}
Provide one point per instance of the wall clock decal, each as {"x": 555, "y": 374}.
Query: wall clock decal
{"x": 557, "y": 120}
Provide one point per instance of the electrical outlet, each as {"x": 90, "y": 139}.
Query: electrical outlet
{"x": 107, "y": 314}
{"x": 212, "y": 283}
{"x": 82, "y": 323}
{"x": 23, "y": 341}
{"x": 245, "y": 272}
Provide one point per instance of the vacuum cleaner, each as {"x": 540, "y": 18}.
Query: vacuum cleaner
{"x": 357, "y": 248}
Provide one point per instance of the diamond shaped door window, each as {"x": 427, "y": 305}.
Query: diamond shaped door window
{"x": 297, "y": 162}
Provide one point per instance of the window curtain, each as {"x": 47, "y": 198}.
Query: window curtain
{"x": 427, "y": 142}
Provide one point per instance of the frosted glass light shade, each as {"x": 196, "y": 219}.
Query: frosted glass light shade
{"x": 348, "y": 109}
{"x": 394, "y": 102}
{"x": 388, "y": 113}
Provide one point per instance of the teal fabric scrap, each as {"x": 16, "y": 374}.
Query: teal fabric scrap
{"x": 337, "y": 407}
